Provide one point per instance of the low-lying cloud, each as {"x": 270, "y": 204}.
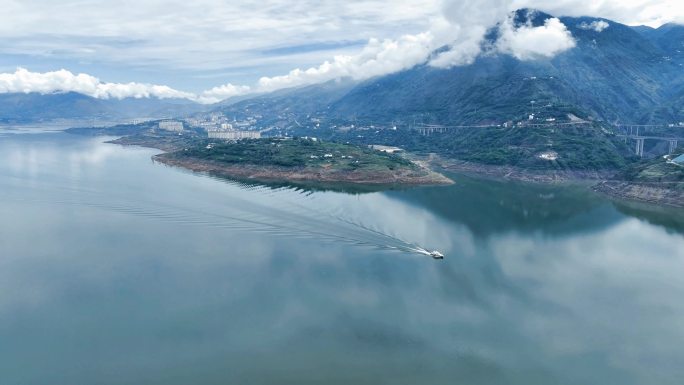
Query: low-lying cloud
{"x": 25, "y": 81}
{"x": 597, "y": 26}
{"x": 462, "y": 33}
{"x": 376, "y": 58}
{"x": 529, "y": 43}
{"x": 223, "y": 92}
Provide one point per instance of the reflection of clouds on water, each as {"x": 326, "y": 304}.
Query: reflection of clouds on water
{"x": 382, "y": 213}
{"x": 610, "y": 291}
{"x": 133, "y": 265}
{"x": 93, "y": 155}
{"x": 27, "y": 161}
{"x": 46, "y": 158}
{"x": 489, "y": 207}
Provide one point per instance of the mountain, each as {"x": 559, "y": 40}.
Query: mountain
{"x": 26, "y": 107}
{"x": 289, "y": 104}
{"x": 614, "y": 74}
{"x": 668, "y": 37}
{"x": 34, "y": 106}
{"x": 618, "y": 74}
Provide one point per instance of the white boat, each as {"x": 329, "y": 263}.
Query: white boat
{"x": 436, "y": 254}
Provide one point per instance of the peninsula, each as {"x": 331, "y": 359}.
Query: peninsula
{"x": 301, "y": 160}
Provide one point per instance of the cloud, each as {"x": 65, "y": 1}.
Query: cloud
{"x": 376, "y": 58}
{"x": 200, "y": 35}
{"x": 223, "y": 92}
{"x": 462, "y": 31}
{"x": 466, "y": 23}
{"x": 598, "y": 26}
{"x": 631, "y": 12}
{"x": 529, "y": 43}
{"x": 25, "y": 81}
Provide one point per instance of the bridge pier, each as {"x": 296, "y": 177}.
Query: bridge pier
{"x": 640, "y": 147}
{"x": 673, "y": 145}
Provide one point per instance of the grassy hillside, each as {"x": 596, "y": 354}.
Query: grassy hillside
{"x": 656, "y": 170}
{"x": 581, "y": 147}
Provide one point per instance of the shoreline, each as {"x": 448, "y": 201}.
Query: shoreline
{"x": 424, "y": 176}
{"x": 599, "y": 181}
{"x": 275, "y": 174}
{"x": 517, "y": 173}
{"x": 650, "y": 193}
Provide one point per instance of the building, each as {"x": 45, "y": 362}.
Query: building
{"x": 171, "y": 125}
{"x": 387, "y": 149}
{"x": 234, "y": 135}
{"x": 226, "y": 126}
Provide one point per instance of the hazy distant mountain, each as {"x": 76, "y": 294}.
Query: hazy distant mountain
{"x": 618, "y": 74}
{"x": 669, "y": 37}
{"x": 21, "y": 107}
{"x": 291, "y": 102}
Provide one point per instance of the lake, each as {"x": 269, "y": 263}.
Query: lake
{"x": 117, "y": 270}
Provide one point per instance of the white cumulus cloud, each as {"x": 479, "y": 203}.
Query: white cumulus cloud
{"x": 529, "y": 43}
{"x": 466, "y": 24}
{"x": 25, "y": 81}
{"x": 223, "y": 92}
{"x": 376, "y": 58}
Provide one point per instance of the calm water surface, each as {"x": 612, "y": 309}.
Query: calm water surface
{"x": 116, "y": 270}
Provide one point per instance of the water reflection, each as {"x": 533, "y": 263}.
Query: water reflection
{"x": 487, "y": 207}
{"x": 669, "y": 218}
{"x": 130, "y": 272}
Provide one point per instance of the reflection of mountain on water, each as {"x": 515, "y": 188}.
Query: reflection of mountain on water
{"x": 671, "y": 218}
{"x": 315, "y": 186}
{"x": 487, "y": 206}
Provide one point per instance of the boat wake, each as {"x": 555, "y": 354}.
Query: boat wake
{"x": 280, "y": 212}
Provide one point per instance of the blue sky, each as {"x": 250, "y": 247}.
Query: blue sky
{"x": 194, "y": 46}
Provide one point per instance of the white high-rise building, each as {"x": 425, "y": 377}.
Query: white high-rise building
{"x": 234, "y": 135}
{"x": 171, "y": 125}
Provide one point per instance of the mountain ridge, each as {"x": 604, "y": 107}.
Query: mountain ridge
{"x": 29, "y": 107}
{"x": 619, "y": 74}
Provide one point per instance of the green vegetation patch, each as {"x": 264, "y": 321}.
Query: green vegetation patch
{"x": 298, "y": 152}
{"x": 575, "y": 147}
{"x": 658, "y": 170}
